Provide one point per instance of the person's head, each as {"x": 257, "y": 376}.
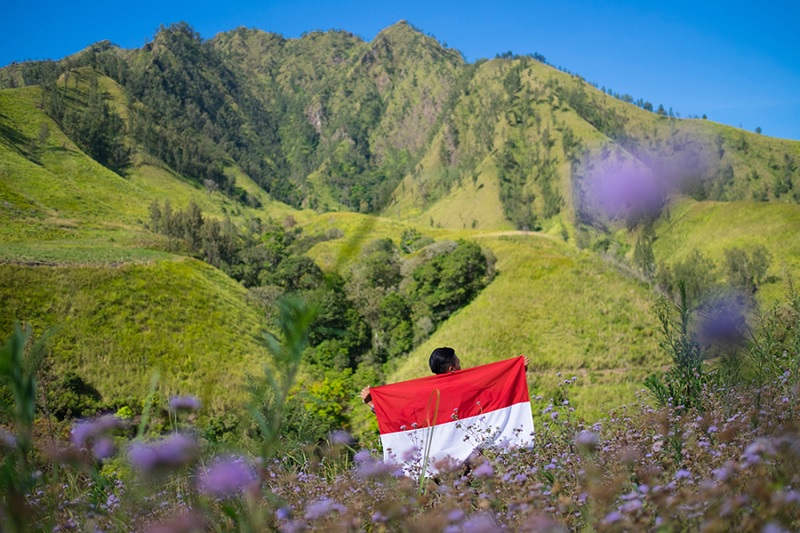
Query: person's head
{"x": 444, "y": 360}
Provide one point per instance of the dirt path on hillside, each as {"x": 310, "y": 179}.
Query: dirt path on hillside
{"x": 517, "y": 233}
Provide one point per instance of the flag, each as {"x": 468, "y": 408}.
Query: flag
{"x": 425, "y": 421}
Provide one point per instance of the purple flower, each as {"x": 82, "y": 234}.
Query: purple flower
{"x": 587, "y": 440}
{"x": 612, "y": 517}
{"x": 484, "y": 470}
{"x": 173, "y": 452}
{"x": 362, "y": 456}
{"x": 683, "y": 474}
{"x": 112, "y": 502}
{"x": 455, "y": 515}
{"x": 723, "y": 321}
{"x": 759, "y": 447}
{"x": 342, "y": 438}
{"x": 481, "y": 523}
{"x": 184, "y": 403}
{"x": 620, "y": 189}
{"x": 373, "y": 468}
{"x": 722, "y": 474}
{"x": 103, "y": 448}
{"x": 226, "y": 476}
{"x": 7, "y": 439}
{"x": 85, "y": 431}
{"x": 321, "y": 508}
{"x": 631, "y": 507}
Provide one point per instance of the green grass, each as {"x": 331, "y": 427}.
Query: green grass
{"x": 713, "y": 227}
{"x": 125, "y": 308}
{"x": 116, "y": 325}
{"x": 568, "y": 310}
{"x": 565, "y": 309}
{"x": 79, "y": 251}
{"x": 59, "y": 191}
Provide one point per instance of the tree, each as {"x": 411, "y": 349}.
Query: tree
{"x": 449, "y": 281}
{"x": 381, "y": 264}
{"x": 696, "y": 273}
{"x": 297, "y": 273}
{"x": 395, "y": 331}
{"x": 747, "y": 271}
{"x": 643, "y": 255}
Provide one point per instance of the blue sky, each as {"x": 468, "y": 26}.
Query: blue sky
{"x": 737, "y": 62}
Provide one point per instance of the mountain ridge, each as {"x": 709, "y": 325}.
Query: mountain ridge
{"x": 327, "y": 131}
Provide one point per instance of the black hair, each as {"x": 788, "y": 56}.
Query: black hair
{"x": 442, "y": 359}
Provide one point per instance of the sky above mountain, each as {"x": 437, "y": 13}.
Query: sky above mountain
{"x": 737, "y": 62}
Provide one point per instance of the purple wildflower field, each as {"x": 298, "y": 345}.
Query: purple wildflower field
{"x": 730, "y": 461}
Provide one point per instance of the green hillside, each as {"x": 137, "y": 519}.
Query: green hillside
{"x": 117, "y": 325}
{"x": 714, "y": 227}
{"x": 155, "y": 202}
{"x": 568, "y": 311}
{"x": 75, "y": 254}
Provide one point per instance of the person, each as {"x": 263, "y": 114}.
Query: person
{"x": 442, "y": 361}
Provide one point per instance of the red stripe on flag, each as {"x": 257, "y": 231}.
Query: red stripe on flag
{"x": 432, "y": 400}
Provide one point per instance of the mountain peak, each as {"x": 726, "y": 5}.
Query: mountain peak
{"x": 399, "y": 28}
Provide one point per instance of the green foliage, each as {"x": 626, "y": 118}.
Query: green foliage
{"x": 197, "y": 112}
{"x": 680, "y": 386}
{"x": 643, "y": 256}
{"x": 86, "y": 117}
{"x": 72, "y": 397}
{"x": 19, "y": 362}
{"x": 516, "y": 198}
{"x": 700, "y": 275}
{"x": 696, "y": 275}
{"x": 771, "y": 353}
{"x": 449, "y": 281}
{"x": 747, "y": 271}
{"x": 395, "y": 328}
{"x": 412, "y": 240}
{"x": 269, "y": 393}
{"x": 119, "y": 323}
{"x": 326, "y": 400}
{"x": 381, "y": 264}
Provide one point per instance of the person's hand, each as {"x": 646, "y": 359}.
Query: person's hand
{"x": 366, "y": 395}
{"x": 525, "y": 360}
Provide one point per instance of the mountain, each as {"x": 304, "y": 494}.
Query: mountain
{"x": 581, "y": 196}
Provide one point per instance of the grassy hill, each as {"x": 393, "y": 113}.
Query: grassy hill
{"x": 75, "y": 255}
{"x": 714, "y": 227}
{"x": 570, "y": 312}
{"x": 117, "y": 323}
{"x": 251, "y": 125}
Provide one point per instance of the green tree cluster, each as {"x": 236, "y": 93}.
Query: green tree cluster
{"x": 700, "y": 276}
{"x": 84, "y": 115}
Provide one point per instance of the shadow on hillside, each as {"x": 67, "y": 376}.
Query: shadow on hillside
{"x": 15, "y": 139}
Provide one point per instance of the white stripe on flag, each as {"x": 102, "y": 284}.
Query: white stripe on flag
{"x": 506, "y": 428}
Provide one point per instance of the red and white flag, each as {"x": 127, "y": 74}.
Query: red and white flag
{"x": 425, "y": 421}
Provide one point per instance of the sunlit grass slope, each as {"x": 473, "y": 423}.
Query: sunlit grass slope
{"x": 713, "y": 227}
{"x": 49, "y": 189}
{"x": 569, "y": 311}
{"x": 116, "y": 326}
{"x": 75, "y": 254}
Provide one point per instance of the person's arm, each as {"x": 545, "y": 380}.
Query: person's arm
{"x": 366, "y": 397}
